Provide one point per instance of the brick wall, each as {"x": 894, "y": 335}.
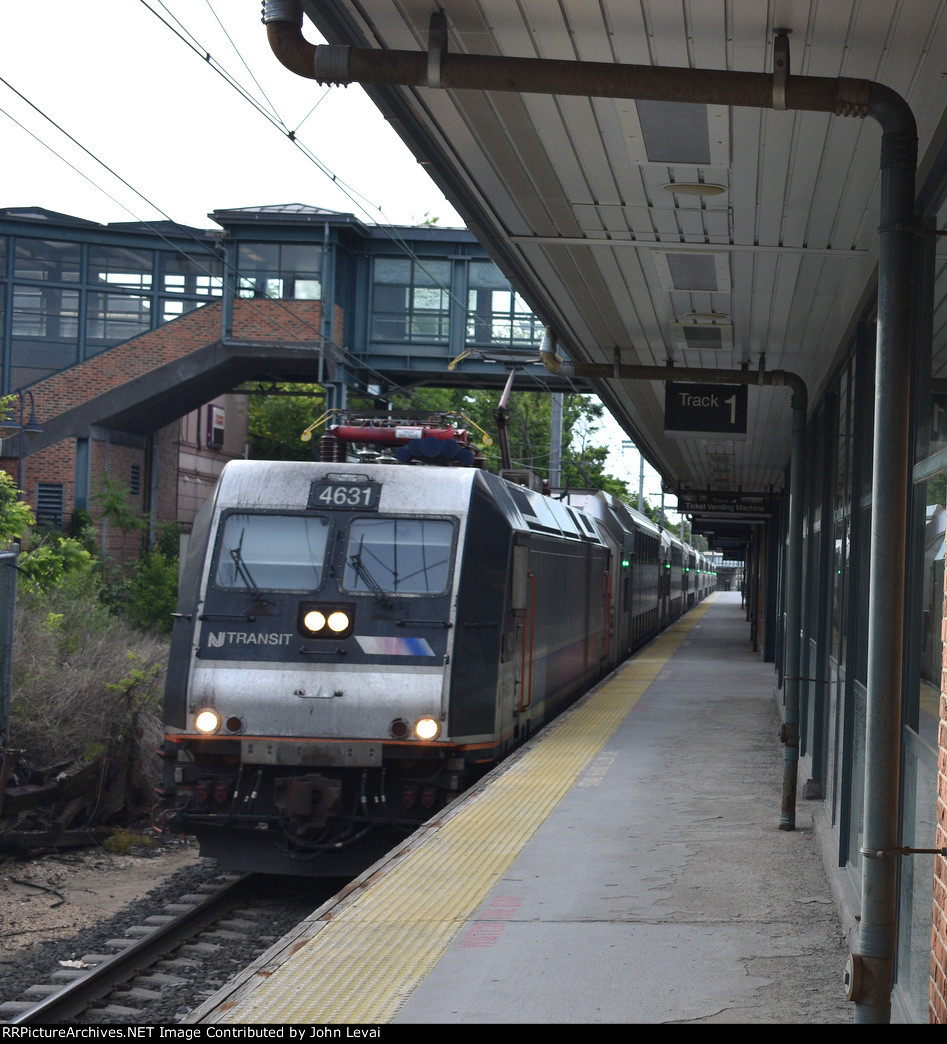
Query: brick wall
{"x": 254, "y": 321}
{"x": 261, "y": 321}
{"x": 938, "y": 984}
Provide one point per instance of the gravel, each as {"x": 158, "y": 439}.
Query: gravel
{"x": 35, "y": 964}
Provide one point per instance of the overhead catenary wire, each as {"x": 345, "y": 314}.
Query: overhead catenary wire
{"x": 228, "y": 269}
{"x": 230, "y": 272}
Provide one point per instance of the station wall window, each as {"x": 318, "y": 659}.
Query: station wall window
{"x": 919, "y": 747}
{"x": 411, "y": 300}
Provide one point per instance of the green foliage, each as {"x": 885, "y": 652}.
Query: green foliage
{"x": 152, "y": 592}
{"x": 15, "y": 516}
{"x": 46, "y": 565}
{"x": 115, "y": 507}
{"x": 124, "y": 842}
{"x": 276, "y": 422}
{"x": 937, "y": 489}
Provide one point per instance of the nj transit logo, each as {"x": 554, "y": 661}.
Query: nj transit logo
{"x": 218, "y": 639}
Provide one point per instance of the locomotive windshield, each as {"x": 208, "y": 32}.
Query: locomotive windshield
{"x": 398, "y": 556}
{"x": 272, "y": 552}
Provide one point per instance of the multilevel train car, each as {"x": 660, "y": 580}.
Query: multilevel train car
{"x": 356, "y": 643}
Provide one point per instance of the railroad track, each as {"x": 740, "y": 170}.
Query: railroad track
{"x": 158, "y": 956}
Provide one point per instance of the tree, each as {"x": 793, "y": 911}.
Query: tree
{"x": 276, "y": 422}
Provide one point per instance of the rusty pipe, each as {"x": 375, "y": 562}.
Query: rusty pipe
{"x": 341, "y": 64}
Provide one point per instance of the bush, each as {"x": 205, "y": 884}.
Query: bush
{"x": 152, "y": 592}
{"x": 85, "y": 683}
{"x": 89, "y": 655}
{"x": 15, "y": 516}
{"x": 47, "y": 565}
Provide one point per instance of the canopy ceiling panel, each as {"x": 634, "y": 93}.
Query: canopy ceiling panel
{"x": 671, "y": 233}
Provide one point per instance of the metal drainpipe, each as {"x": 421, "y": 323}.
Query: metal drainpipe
{"x": 869, "y": 976}
{"x": 870, "y": 973}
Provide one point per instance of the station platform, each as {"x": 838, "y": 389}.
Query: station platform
{"x": 626, "y": 866}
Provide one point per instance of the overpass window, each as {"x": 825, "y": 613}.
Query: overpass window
{"x": 172, "y": 309}
{"x": 411, "y": 300}
{"x": 291, "y": 271}
{"x": 46, "y": 261}
{"x": 115, "y": 317}
{"x": 117, "y": 267}
{"x": 198, "y": 274}
{"x": 47, "y": 312}
{"x": 496, "y": 314}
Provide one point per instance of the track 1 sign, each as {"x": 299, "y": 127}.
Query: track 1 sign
{"x": 696, "y": 409}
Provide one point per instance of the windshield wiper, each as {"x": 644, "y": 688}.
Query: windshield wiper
{"x": 236, "y": 554}
{"x": 365, "y": 575}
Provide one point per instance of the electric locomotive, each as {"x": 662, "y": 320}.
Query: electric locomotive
{"x": 355, "y": 644}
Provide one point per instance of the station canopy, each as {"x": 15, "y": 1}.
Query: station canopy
{"x": 655, "y": 231}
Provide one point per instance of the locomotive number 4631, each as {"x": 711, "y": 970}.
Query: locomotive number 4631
{"x": 363, "y": 496}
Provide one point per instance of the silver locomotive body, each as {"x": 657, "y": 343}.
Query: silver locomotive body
{"x": 354, "y": 644}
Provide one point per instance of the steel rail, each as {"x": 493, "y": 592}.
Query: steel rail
{"x": 74, "y": 998}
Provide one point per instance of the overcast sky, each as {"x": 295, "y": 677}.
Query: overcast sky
{"x": 147, "y": 105}
{"x": 160, "y": 133}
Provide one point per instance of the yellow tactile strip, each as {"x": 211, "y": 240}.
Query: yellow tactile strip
{"x": 362, "y": 965}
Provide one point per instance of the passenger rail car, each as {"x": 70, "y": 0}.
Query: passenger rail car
{"x": 636, "y": 546}
{"x": 672, "y": 597}
{"x": 356, "y": 643}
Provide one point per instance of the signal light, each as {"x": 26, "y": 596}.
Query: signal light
{"x": 325, "y": 621}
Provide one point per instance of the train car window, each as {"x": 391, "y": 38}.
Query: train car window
{"x": 564, "y": 517}
{"x": 586, "y": 524}
{"x": 522, "y": 501}
{"x": 398, "y": 556}
{"x": 272, "y": 552}
{"x": 536, "y": 509}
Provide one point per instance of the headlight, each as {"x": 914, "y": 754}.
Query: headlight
{"x": 426, "y": 728}
{"x": 325, "y": 621}
{"x": 207, "y": 721}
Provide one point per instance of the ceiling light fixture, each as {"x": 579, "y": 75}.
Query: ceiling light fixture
{"x": 694, "y": 188}
{"x": 708, "y": 317}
